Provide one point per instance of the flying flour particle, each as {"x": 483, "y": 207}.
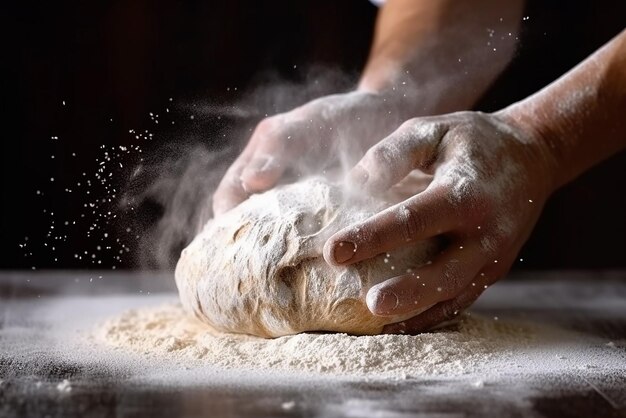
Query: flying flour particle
{"x": 65, "y": 386}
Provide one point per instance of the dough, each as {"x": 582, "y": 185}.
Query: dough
{"x": 258, "y": 268}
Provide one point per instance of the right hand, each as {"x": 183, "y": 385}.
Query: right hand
{"x": 491, "y": 176}
{"x": 308, "y": 139}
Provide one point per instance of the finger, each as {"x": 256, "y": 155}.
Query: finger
{"x": 230, "y": 192}
{"x": 422, "y": 216}
{"x": 276, "y": 146}
{"x": 411, "y": 146}
{"x": 442, "y": 312}
{"x": 256, "y": 169}
{"x": 416, "y": 182}
{"x": 449, "y": 310}
{"x": 444, "y": 279}
{"x": 262, "y": 173}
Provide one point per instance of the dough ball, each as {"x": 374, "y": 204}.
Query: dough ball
{"x": 258, "y": 268}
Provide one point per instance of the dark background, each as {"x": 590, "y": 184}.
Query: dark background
{"x": 113, "y": 62}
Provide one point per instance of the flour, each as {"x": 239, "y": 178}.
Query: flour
{"x": 166, "y": 332}
{"x": 64, "y": 387}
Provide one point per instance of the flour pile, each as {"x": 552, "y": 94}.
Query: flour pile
{"x": 168, "y": 333}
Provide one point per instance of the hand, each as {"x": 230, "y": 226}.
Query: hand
{"x": 308, "y": 139}
{"x": 490, "y": 181}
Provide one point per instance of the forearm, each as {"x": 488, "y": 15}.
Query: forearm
{"x": 438, "y": 56}
{"x": 580, "y": 119}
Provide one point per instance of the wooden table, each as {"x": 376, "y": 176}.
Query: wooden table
{"x": 37, "y": 307}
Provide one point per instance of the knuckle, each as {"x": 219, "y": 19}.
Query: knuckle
{"x": 425, "y": 129}
{"x": 266, "y": 129}
{"x": 413, "y": 132}
{"x": 379, "y": 155}
{"x": 264, "y": 126}
{"x": 370, "y": 238}
{"x": 412, "y": 225}
{"x": 452, "y": 277}
{"x": 469, "y": 198}
{"x": 410, "y": 125}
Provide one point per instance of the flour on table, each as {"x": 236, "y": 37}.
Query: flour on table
{"x": 167, "y": 332}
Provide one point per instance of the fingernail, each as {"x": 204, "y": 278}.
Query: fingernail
{"x": 381, "y": 302}
{"x": 344, "y": 251}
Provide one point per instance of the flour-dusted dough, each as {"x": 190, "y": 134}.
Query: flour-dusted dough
{"x": 258, "y": 270}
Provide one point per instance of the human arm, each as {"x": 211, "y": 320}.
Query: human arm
{"x": 492, "y": 173}
{"x": 428, "y": 57}
{"x": 439, "y": 56}
{"x": 581, "y": 117}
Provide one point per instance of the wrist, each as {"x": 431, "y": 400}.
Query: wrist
{"x": 533, "y": 131}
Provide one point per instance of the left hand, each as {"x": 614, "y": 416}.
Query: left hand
{"x": 490, "y": 181}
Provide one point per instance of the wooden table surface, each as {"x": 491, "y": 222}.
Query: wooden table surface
{"x": 34, "y": 306}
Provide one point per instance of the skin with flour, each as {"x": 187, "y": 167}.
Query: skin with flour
{"x": 427, "y": 58}
{"x": 483, "y": 168}
{"x": 492, "y": 174}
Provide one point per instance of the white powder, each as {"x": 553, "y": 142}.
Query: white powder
{"x": 168, "y": 333}
{"x": 65, "y": 386}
